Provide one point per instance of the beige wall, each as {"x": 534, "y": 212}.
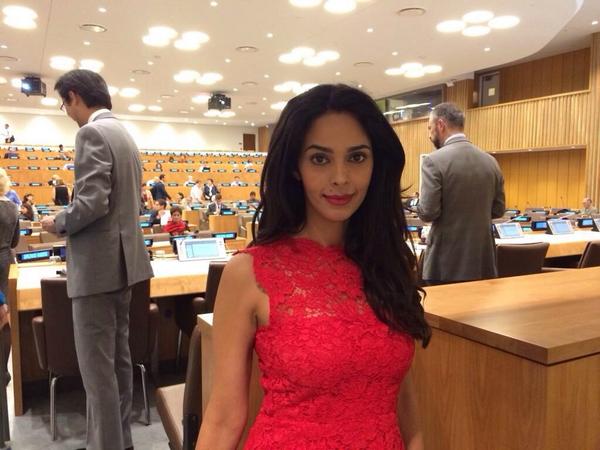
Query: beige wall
{"x": 40, "y": 129}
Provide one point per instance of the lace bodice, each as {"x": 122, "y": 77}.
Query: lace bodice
{"x": 330, "y": 370}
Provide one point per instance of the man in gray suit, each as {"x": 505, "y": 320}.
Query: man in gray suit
{"x": 462, "y": 189}
{"x": 105, "y": 254}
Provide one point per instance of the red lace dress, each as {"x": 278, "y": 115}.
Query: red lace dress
{"x": 331, "y": 371}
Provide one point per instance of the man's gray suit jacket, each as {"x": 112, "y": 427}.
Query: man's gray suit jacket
{"x": 105, "y": 247}
{"x": 462, "y": 189}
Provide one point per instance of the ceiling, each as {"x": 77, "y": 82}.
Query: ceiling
{"x": 546, "y": 27}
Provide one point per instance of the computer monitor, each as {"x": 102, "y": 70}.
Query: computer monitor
{"x": 558, "y": 226}
{"x": 585, "y": 222}
{"x": 201, "y": 249}
{"x": 175, "y": 239}
{"x": 596, "y": 226}
{"x": 148, "y": 242}
{"x": 145, "y": 224}
{"x": 227, "y": 212}
{"x": 539, "y": 225}
{"x": 25, "y": 232}
{"x": 60, "y": 250}
{"x": 35, "y": 255}
{"x": 225, "y": 235}
{"x": 509, "y": 230}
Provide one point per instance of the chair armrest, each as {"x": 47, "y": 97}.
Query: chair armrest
{"x": 39, "y": 337}
{"x": 200, "y": 305}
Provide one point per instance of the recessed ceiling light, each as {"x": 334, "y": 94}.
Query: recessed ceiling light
{"x": 19, "y": 17}
{"x": 264, "y": 99}
{"x": 191, "y": 40}
{"x": 370, "y": 30}
{"x": 245, "y": 121}
{"x": 266, "y": 75}
{"x": 476, "y": 31}
{"x": 49, "y": 101}
{"x": 252, "y": 124}
{"x": 159, "y": 36}
{"x": 239, "y": 106}
{"x": 263, "y": 113}
{"x": 227, "y": 114}
{"x": 213, "y": 4}
{"x": 129, "y": 92}
{"x": 450, "y": 26}
{"x": 102, "y": 9}
{"x": 340, "y": 6}
{"x": 249, "y": 83}
{"x": 235, "y": 89}
{"x": 3, "y": 80}
{"x": 278, "y": 106}
{"x": 504, "y": 22}
{"x": 303, "y": 52}
{"x": 432, "y": 68}
{"x": 155, "y": 108}
{"x": 6, "y": 67}
{"x": 246, "y": 49}
{"x": 227, "y": 60}
{"x": 595, "y": 22}
{"x": 305, "y": 3}
{"x": 183, "y": 111}
{"x": 487, "y": 49}
{"x": 10, "y": 94}
{"x": 338, "y": 73}
{"x": 209, "y": 78}
{"x": 186, "y": 76}
{"x": 269, "y": 35}
{"x": 150, "y": 63}
{"x": 201, "y": 99}
{"x": 112, "y": 90}
{"x": 176, "y": 91}
{"x": 91, "y": 64}
{"x": 93, "y": 27}
{"x": 140, "y": 72}
{"x": 159, "y": 101}
{"x": 132, "y": 80}
{"x": 62, "y": 63}
{"x": 411, "y": 12}
{"x": 289, "y": 58}
{"x": 480, "y": 16}
{"x": 192, "y": 108}
{"x": 166, "y": 96}
{"x": 394, "y": 53}
{"x": 360, "y": 86}
{"x": 4, "y": 46}
{"x": 11, "y": 99}
{"x": 16, "y": 83}
{"x": 87, "y": 43}
{"x": 212, "y": 113}
{"x": 136, "y": 107}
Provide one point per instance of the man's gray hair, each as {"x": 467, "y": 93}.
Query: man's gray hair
{"x": 451, "y": 114}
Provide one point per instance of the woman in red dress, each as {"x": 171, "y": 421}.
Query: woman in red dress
{"x": 327, "y": 294}
{"x": 175, "y": 226}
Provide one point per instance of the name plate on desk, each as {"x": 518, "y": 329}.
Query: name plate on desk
{"x": 236, "y": 171}
{"x": 221, "y": 170}
{"x": 189, "y": 170}
{"x": 13, "y": 167}
{"x": 33, "y": 168}
{"x": 53, "y": 168}
{"x": 32, "y": 157}
{"x": 173, "y": 170}
{"x": 172, "y": 184}
{"x": 35, "y": 184}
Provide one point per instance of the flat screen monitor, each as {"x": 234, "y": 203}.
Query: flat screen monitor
{"x": 521, "y": 219}
{"x": 585, "y": 222}
{"x": 25, "y": 232}
{"x": 145, "y": 224}
{"x": 596, "y": 224}
{"x": 227, "y": 212}
{"x": 539, "y": 225}
{"x": 509, "y": 230}
{"x": 414, "y": 228}
{"x": 148, "y": 242}
{"x": 201, "y": 249}
{"x": 558, "y": 226}
{"x": 242, "y": 207}
{"x": 225, "y": 235}
{"x": 35, "y": 255}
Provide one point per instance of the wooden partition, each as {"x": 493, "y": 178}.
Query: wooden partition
{"x": 549, "y": 178}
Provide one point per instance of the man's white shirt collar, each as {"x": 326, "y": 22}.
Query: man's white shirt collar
{"x": 97, "y": 113}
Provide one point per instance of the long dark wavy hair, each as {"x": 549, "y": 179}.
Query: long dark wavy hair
{"x": 375, "y": 236}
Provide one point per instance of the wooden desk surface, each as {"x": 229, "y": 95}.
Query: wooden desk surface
{"x": 560, "y": 245}
{"x": 548, "y": 318}
{"x": 171, "y": 277}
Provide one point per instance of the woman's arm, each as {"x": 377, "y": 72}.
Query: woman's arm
{"x": 408, "y": 416}
{"x": 234, "y": 327}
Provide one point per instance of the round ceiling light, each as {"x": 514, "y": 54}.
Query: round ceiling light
{"x": 340, "y": 6}
{"x": 504, "y": 22}
{"x": 476, "y": 31}
{"x": 450, "y": 26}
{"x": 136, "y": 107}
{"x": 478, "y": 16}
{"x": 305, "y": 3}
{"x": 129, "y": 92}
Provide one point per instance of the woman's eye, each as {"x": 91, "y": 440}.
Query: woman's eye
{"x": 358, "y": 157}
{"x": 318, "y": 158}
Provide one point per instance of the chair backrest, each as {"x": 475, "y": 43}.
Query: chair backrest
{"x": 215, "y": 270}
{"x": 192, "y": 394}
{"x": 139, "y": 321}
{"x": 57, "y": 311}
{"x": 520, "y": 259}
{"x": 590, "y": 256}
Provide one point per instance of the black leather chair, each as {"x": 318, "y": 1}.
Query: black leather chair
{"x": 520, "y": 259}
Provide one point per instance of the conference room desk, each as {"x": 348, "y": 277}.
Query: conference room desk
{"x": 560, "y": 245}
{"x": 513, "y": 364}
{"x": 171, "y": 277}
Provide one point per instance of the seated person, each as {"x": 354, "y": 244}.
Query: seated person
{"x": 29, "y": 199}
{"x": 159, "y": 215}
{"x": 587, "y": 209}
{"x": 253, "y": 201}
{"x": 236, "y": 181}
{"x": 183, "y": 202}
{"x": 210, "y": 190}
{"x": 216, "y": 205}
{"x": 61, "y": 193}
{"x": 175, "y": 226}
{"x": 25, "y": 211}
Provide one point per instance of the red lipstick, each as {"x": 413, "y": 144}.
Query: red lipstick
{"x": 338, "y": 200}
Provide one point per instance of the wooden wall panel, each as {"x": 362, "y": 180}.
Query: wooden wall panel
{"x": 556, "y": 74}
{"x": 461, "y": 94}
{"x": 546, "y": 178}
{"x": 414, "y": 137}
{"x": 264, "y": 138}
